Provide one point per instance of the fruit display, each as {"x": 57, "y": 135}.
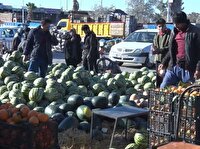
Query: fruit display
{"x": 23, "y": 128}
{"x": 67, "y": 91}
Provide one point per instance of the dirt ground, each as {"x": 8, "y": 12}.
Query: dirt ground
{"x": 77, "y": 139}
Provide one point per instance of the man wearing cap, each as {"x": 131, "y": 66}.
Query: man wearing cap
{"x": 184, "y": 52}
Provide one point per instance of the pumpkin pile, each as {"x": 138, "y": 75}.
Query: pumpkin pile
{"x": 15, "y": 115}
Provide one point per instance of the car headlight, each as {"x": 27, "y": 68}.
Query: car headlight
{"x": 138, "y": 51}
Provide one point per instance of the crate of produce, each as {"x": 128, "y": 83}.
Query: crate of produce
{"x": 158, "y": 139}
{"x": 188, "y": 113}
{"x": 161, "y": 112}
{"x": 22, "y": 128}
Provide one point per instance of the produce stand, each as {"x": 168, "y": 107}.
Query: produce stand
{"x": 174, "y": 119}
{"x": 27, "y": 136}
{"x": 116, "y": 114}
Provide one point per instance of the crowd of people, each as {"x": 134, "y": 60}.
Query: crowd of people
{"x": 176, "y": 52}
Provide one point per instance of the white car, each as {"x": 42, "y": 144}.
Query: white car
{"x": 135, "y": 48}
{"x": 7, "y": 34}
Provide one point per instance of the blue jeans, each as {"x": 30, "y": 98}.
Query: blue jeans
{"x": 38, "y": 66}
{"x": 173, "y": 77}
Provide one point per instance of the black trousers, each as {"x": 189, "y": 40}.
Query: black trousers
{"x": 90, "y": 64}
{"x": 71, "y": 61}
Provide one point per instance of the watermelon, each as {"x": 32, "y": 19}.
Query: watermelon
{"x": 85, "y": 126}
{"x": 144, "y": 69}
{"x": 26, "y": 87}
{"x": 4, "y": 95}
{"x": 113, "y": 98}
{"x": 100, "y": 102}
{"x": 15, "y": 94}
{"x": 16, "y": 101}
{"x": 126, "y": 74}
{"x": 36, "y": 94}
{"x": 16, "y": 54}
{"x": 104, "y": 94}
{"x": 52, "y": 94}
{"x": 39, "y": 109}
{"x": 58, "y": 117}
{"x": 123, "y": 99}
{"x": 30, "y": 76}
{"x": 132, "y": 146}
{"x": 148, "y": 86}
{"x": 17, "y": 86}
{"x": 1, "y": 61}
{"x": 4, "y": 72}
{"x": 98, "y": 87}
{"x": 65, "y": 107}
{"x": 130, "y": 91}
{"x": 68, "y": 122}
{"x": 139, "y": 138}
{"x": 84, "y": 113}
{"x": 135, "y": 75}
{"x": 75, "y": 100}
{"x": 11, "y": 78}
{"x": 9, "y": 64}
{"x": 107, "y": 75}
{"x": 40, "y": 82}
{"x": 10, "y": 85}
{"x": 32, "y": 104}
{"x": 138, "y": 87}
{"x": 151, "y": 75}
{"x": 19, "y": 71}
{"x": 51, "y": 109}
{"x": 3, "y": 89}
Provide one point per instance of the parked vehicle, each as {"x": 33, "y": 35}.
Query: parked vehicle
{"x": 135, "y": 48}
{"x": 7, "y": 34}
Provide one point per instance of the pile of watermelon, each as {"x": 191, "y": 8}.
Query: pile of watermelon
{"x": 68, "y": 94}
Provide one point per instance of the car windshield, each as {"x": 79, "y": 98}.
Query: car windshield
{"x": 141, "y": 37}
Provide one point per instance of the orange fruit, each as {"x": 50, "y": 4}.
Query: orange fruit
{"x": 33, "y": 120}
{"x": 43, "y": 117}
{"x": 32, "y": 113}
{"x": 24, "y": 111}
{"x": 4, "y": 115}
{"x": 17, "y": 117}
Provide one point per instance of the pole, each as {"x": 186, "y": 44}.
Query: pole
{"x": 23, "y": 21}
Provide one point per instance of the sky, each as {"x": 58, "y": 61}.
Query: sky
{"x": 189, "y": 5}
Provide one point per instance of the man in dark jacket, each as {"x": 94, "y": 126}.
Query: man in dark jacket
{"x": 38, "y": 47}
{"x": 184, "y": 52}
{"x": 90, "y": 49}
{"x": 73, "y": 51}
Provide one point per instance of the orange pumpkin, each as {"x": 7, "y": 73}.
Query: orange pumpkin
{"x": 4, "y": 115}
{"x": 33, "y": 120}
{"x": 43, "y": 117}
{"x": 24, "y": 111}
{"x": 17, "y": 117}
{"x": 32, "y": 113}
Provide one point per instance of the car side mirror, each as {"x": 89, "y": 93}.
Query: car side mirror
{"x": 58, "y": 27}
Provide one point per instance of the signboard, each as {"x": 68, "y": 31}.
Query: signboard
{"x": 117, "y": 29}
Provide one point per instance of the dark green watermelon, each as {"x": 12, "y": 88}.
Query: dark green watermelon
{"x": 113, "y": 98}
{"x": 75, "y": 100}
{"x": 100, "y": 102}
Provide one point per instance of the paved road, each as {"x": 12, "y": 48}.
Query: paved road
{"x": 59, "y": 58}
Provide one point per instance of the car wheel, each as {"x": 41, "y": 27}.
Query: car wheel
{"x": 148, "y": 64}
{"x": 120, "y": 63}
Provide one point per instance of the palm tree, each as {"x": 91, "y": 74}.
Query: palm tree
{"x": 176, "y": 6}
{"x": 30, "y": 8}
